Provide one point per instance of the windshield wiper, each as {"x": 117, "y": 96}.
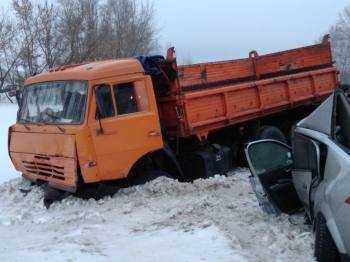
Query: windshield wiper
{"x": 60, "y": 128}
{"x": 55, "y": 118}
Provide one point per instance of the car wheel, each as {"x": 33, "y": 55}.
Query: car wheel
{"x": 149, "y": 176}
{"x": 325, "y": 248}
{"x": 271, "y": 132}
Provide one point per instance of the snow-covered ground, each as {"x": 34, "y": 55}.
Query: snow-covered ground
{"x": 217, "y": 219}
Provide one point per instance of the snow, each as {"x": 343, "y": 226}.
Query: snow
{"x": 216, "y": 219}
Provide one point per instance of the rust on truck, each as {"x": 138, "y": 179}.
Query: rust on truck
{"x": 126, "y": 121}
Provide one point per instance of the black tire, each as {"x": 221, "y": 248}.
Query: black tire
{"x": 287, "y": 130}
{"x": 149, "y": 176}
{"x": 271, "y": 132}
{"x": 325, "y": 248}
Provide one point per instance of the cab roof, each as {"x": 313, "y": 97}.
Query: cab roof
{"x": 89, "y": 71}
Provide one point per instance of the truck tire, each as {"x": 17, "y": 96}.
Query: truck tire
{"x": 287, "y": 130}
{"x": 149, "y": 176}
{"x": 271, "y": 132}
{"x": 325, "y": 248}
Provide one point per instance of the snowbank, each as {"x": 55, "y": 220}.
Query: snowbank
{"x": 217, "y": 219}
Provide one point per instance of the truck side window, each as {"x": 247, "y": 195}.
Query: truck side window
{"x": 107, "y": 101}
{"x": 131, "y": 97}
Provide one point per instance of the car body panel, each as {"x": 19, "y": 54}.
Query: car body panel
{"x": 320, "y": 170}
{"x": 302, "y": 181}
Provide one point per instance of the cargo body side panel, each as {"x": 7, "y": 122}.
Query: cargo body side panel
{"x": 211, "y": 96}
{"x": 215, "y": 108}
{"x": 295, "y": 60}
{"x": 214, "y": 74}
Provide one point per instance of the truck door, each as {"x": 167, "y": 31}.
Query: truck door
{"x": 270, "y": 163}
{"x": 127, "y": 129}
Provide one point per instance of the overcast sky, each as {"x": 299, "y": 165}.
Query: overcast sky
{"x": 212, "y": 30}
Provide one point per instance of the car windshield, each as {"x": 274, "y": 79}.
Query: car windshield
{"x": 59, "y": 102}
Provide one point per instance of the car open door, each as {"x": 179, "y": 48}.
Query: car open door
{"x": 270, "y": 163}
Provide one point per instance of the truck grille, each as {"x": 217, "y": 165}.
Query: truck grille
{"x": 44, "y": 168}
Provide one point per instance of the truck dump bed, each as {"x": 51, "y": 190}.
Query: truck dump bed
{"x": 210, "y": 96}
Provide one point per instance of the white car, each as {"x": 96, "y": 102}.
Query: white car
{"x": 314, "y": 174}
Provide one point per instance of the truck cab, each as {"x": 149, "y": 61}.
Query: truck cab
{"x": 62, "y": 136}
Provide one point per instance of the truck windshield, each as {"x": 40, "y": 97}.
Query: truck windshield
{"x": 61, "y": 102}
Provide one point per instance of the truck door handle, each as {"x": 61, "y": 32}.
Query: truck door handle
{"x": 154, "y": 133}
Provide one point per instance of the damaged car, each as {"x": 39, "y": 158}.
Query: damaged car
{"x": 313, "y": 173}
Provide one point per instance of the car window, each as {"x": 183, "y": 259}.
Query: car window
{"x": 268, "y": 155}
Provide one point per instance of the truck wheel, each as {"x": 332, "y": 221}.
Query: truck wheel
{"x": 287, "y": 130}
{"x": 149, "y": 176}
{"x": 325, "y": 248}
{"x": 271, "y": 132}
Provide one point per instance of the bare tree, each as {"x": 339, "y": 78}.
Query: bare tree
{"x": 54, "y": 33}
{"x": 133, "y": 27}
{"x": 50, "y": 41}
{"x": 340, "y": 44}
{"x": 29, "y": 59}
{"x": 9, "y": 54}
{"x": 71, "y": 15}
{"x": 86, "y": 30}
{"x": 95, "y": 31}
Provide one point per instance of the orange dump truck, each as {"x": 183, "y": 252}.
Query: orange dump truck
{"x": 95, "y": 126}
